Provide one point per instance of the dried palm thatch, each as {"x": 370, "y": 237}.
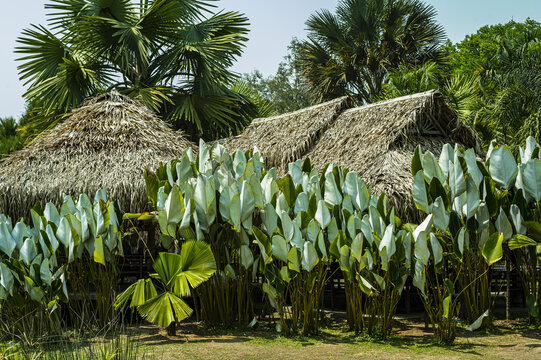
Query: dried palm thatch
{"x": 286, "y": 138}
{"x": 378, "y": 140}
{"x": 105, "y": 143}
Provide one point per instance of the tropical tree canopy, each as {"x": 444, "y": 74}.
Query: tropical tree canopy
{"x": 352, "y": 51}
{"x": 175, "y": 55}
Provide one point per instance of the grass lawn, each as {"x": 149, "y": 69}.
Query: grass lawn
{"x": 508, "y": 340}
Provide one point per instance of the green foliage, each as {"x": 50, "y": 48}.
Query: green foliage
{"x": 9, "y": 139}
{"x": 176, "y": 274}
{"x": 352, "y": 51}
{"x": 167, "y": 53}
{"x": 284, "y": 90}
{"x": 37, "y": 262}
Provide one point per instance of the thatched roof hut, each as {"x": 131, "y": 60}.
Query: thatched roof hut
{"x": 377, "y": 141}
{"x": 107, "y": 142}
{"x": 288, "y": 137}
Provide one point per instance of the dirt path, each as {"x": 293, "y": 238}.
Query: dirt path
{"x": 411, "y": 340}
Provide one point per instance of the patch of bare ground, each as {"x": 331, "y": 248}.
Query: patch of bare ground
{"x": 506, "y": 340}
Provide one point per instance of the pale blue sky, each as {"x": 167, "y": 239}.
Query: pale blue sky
{"x": 273, "y": 24}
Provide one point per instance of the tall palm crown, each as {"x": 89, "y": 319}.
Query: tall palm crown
{"x": 165, "y": 51}
{"x": 352, "y": 51}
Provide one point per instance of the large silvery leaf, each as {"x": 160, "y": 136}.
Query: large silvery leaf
{"x": 457, "y": 181}
{"x": 526, "y": 154}
{"x": 503, "y": 167}
{"x": 246, "y": 257}
{"x": 504, "y": 226}
{"x": 270, "y": 219}
{"x": 28, "y": 251}
{"x": 288, "y": 228}
{"x": 437, "y": 249}
{"x": 269, "y": 187}
{"x": 19, "y": 232}
{"x": 492, "y": 251}
{"x": 419, "y": 192}
{"x": 446, "y": 156}
{"x": 357, "y": 191}
{"x": 441, "y": 215}
{"x": 517, "y": 219}
{"x": 332, "y": 194}
{"x": 174, "y": 206}
{"x": 323, "y": 216}
{"x": 204, "y": 157}
{"x": 431, "y": 168}
{"x": 6, "y": 278}
{"x": 7, "y": 243}
{"x": 293, "y": 259}
{"x": 51, "y": 213}
{"x": 387, "y": 246}
{"x": 247, "y": 201}
{"x": 531, "y": 178}
{"x": 472, "y": 197}
{"x": 295, "y": 170}
{"x": 301, "y": 203}
{"x": 309, "y": 256}
{"x": 473, "y": 168}
{"x": 420, "y": 235}
{"x": 280, "y": 248}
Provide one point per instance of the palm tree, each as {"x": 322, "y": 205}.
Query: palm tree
{"x": 176, "y": 275}
{"x": 166, "y": 52}
{"x": 351, "y": 52}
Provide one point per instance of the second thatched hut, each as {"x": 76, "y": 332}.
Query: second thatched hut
{"x": 377, "y": 141}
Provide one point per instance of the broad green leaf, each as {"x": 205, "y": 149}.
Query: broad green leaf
{"x": 531, "y": 178}
{"x": 45, "y": 273}
{"x": 457, "y": 181}
{"x": 332, "y": 194}
{"x": 293, "y": 259}
{"x": 28, "y": 251}
{"x": 437, "y": 249}
{"x": 431, "y": 168}
{"x": 492, "y": 251}
{"x": 517, "y": 219}
{"x": 309, "y": 256}
{"x": 7, "y": 243}
{"x": 441, "y": 215}
{"x": 446, "y": 158}
{"x": 503, "y": 225}
{"x": 323, "y": 216}
{"x": 99, "y": 254}
{"x": 473, "y": 168}
{"x": 246, "y": 256}
{"x": 280, "y": 249}
{"x": 301, "y": 204}
{"x": 419, "y": 192}
{"x": 446, "y": 304}
{"x": 270, "y": 219}
{"x": 472, "y": 197}
{"x": 503, "y": 167}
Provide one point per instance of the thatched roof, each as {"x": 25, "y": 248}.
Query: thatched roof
{"x": 105, "y": 143}
{"x": 378, "y": 140}
{"x": 286, "y": 138}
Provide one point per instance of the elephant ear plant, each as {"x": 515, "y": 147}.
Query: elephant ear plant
{"x": 38, "y": 264}
{"x": 520, "y": 184}
{"x": 459, "y": 240}
{"x": 214, "y": 198}
{"x": 375, "y": 256}
{"x": 176, "y": 275}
